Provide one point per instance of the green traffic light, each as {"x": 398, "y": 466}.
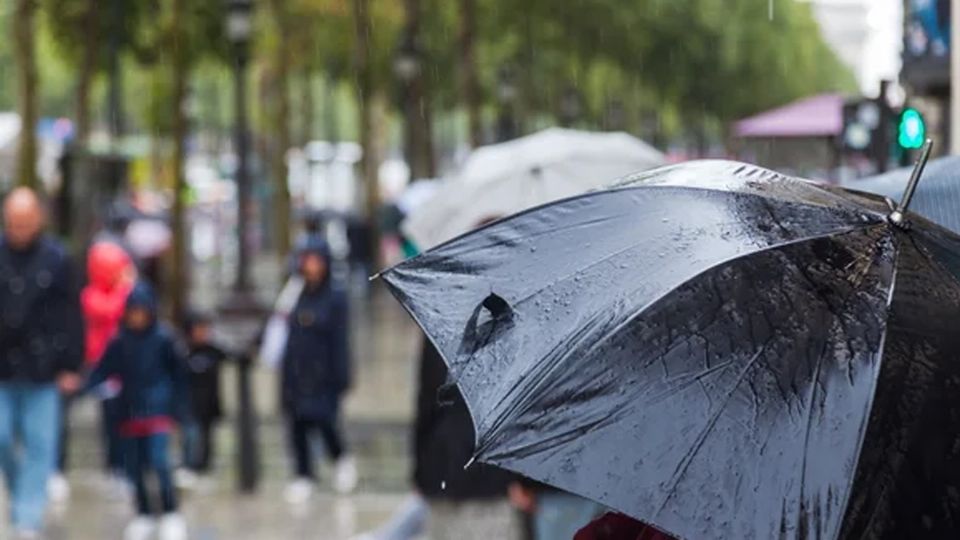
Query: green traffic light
{"x": 912, "y": 130}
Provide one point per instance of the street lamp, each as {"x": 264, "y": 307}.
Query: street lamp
{"x": 241, "y": 309}
{"x": 507, "y": 95}
{"x": 239, "y": 29}
{"x": 571, "y": 106}
{"x": 406, "y": 67}
{"x": 406, "y": 63}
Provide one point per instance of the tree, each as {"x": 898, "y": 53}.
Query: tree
{"x": 365, "y": 89}
{"x": 469, "y": 85}
{"x": 27, "y": 90}
{"x": 77, "y": 27}
{"x": 281, "y": 124}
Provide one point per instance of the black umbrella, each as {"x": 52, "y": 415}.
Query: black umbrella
{"x": 721, "y": 351}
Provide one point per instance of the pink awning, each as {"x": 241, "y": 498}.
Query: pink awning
{"x": 817, "y": 116}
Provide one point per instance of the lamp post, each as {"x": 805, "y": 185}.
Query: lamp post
{"x": 406, "y": 67}
{"x": 507, "y": 96}
{"x": 242, "y": 310}
{"x": 239, "y": 27}
{"x": 571, "y": 106}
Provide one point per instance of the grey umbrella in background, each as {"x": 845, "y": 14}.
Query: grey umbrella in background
{"x": 937, "y": 198}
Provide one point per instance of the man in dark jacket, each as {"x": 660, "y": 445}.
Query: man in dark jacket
{"x": 464, "y": 503}
{"x": 316, "y": 373}
{"x": 41, "y": 344}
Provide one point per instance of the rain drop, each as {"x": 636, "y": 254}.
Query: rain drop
{"x": 443, "y": 485}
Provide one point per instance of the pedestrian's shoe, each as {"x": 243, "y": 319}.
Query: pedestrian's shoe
{"x": 58, "y": 489}
{"x": 117, "y": 487}
{"x": 141, "y": 528}
{"x": 185, "y": 479}
{"x": 299, "y": 491}
{"x": 172, "y": 527}
{"x": 345, "y": 475}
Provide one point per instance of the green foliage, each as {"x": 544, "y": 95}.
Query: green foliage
{"x": 693, "y": 62}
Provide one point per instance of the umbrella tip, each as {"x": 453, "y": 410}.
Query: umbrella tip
{"x": 898, "y": 216}
{"x": 469, "y": 463}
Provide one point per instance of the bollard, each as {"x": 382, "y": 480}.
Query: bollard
{"x": 248, "y": 458}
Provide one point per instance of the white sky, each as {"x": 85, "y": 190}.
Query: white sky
{"x": 866, "y": 34}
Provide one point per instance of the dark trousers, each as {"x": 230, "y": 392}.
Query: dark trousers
{"x": 145, "y": 455}
{"x": 109, "y": 432}
{"x": 198, "y": 441}
{"x": 300, "y": 431}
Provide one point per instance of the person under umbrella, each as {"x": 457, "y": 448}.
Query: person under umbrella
{"x": 714, "y": 349}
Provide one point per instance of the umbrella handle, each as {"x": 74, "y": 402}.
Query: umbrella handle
{"x": 898, "y": 216}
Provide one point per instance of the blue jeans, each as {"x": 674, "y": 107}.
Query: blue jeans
{"x": 150, "y": 454}
{"x": 29, "y": 432}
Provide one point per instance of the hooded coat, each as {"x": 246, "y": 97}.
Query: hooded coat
{"x": 149, "y": 363}
{"x": 104, "y": 297}
{"x": 316, "y": 361}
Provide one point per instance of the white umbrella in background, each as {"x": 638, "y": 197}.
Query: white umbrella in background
{"x": 148, "y": 238}
{"x": 502, "y": 179}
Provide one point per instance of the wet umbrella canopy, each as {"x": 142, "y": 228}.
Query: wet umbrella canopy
{"x": 713, "y": 348}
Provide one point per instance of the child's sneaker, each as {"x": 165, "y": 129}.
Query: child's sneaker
{"x": 141, "y": 528}
{"x": 58, "y": 489}
{"x": 172, "y": 527}
{"x": 345, "y": 475}
{"x": 185, "y": 479}
{"x": 299, "y": 491}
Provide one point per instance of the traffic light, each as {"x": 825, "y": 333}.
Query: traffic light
{"x": 861, "y": 119}
{"x": 911, "y": 129}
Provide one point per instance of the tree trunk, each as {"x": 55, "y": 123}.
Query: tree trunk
{"x": 418, "y": 114}
{"x": 365, "y": 91}
{"x": 87, "y": 70}
{"x": 470, "y": 86}
{"x": 27, "y": 90}
{"x": 307, "y": 107}
{"x": 281, "y": 116}
{"x": 179, "y": 282}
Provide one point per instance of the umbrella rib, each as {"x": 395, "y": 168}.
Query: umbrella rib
{"x": 707, "y": 429}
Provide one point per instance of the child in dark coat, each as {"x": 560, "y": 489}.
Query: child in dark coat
{"x": 146, "y": 359}
{"x": 203, "y": 371}
{"x": 316, "y": 373}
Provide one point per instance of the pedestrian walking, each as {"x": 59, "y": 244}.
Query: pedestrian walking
{"x": 315, "y": 373}
{"x": 464, "y": 502}
{"x": 110, "y": 278}
{"x": 146, "y": 359}
{"x": 41, "y": 335}
{"x": 203, "y": 374}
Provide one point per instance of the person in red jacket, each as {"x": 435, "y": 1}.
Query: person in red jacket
{"x": 111, "y": 275}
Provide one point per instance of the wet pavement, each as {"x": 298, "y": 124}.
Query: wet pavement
{"x": 217, "y": 513}
{"x": 377, "y": 416}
